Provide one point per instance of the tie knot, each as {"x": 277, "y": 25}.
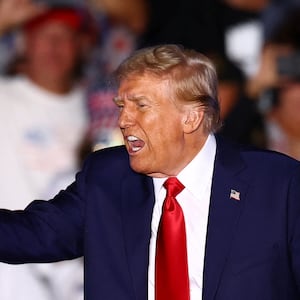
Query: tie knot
{"x": 173, "y": 186}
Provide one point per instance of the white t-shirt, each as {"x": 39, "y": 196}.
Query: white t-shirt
{"x": 40, "y": 133}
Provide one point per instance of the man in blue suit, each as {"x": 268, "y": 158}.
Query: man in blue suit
{"x": 241, "y": 206}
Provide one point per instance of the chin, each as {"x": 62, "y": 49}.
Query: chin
{"x": 138, "y": 167}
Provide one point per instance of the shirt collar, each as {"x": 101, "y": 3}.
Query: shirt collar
{"x": 198, "y": 173}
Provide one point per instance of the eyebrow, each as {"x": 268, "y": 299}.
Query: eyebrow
{"x": 133, "y": 98}
{"x": 117, "y": 99}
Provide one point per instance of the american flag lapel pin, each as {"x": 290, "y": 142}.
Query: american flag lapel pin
{"x": 235, "y": 195}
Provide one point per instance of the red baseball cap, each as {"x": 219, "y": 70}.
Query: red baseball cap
{"x": 68, "y": 16}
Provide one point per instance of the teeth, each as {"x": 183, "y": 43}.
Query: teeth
{"x": 132, "y": 138}
{"x": 135, "y": 143}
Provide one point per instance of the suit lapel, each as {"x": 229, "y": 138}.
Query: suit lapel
{"x": 224, "y": 214}
{"x": 137, "y": 206}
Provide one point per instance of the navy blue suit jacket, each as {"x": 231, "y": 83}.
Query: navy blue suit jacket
{"x": 252, "y": 246}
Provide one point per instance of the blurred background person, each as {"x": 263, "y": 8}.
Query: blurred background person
{"x": 282, "y": 119}
{"x": 276, "y": 85}
{"x": 10, "y": 19}
{"x": 44, "y": 120}
{"x": 245, "y": 25}
{"x": 241, "y": 121}
{"x": 121, "y": 24}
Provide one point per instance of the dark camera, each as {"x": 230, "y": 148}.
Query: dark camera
{"x": 289, "y": 66}
{"x": 267, "y": 100}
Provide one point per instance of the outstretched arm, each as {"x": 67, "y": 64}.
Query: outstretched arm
{"x": 14, "y": 12}
{"x": 45, "y": 231}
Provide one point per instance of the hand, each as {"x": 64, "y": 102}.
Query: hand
{"x": 15, "y": 12}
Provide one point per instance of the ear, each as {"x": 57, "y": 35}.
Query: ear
{"x": 192, "y": 119}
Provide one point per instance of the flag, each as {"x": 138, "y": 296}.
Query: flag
{"x": 235, "y": 195}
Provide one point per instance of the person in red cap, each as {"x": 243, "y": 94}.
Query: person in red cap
{"x": 53, "y": 49}
{"x": 43, "y": 123}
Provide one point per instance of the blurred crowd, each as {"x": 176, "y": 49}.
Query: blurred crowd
{"x": 56, "y": 62}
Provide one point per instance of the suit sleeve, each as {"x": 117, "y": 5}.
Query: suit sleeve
{"x": 46, "y": 231}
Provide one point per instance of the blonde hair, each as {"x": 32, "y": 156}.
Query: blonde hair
{"x": 192, "y": 76}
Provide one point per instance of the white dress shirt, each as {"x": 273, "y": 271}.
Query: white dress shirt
{"x": 194, "y": 201}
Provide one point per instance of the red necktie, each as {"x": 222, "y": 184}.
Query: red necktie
{"x": 171, "y": 267}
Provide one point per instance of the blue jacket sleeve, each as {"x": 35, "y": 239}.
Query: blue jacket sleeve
{"x": 46, "y": 231}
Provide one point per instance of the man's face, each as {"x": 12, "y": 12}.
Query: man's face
{"x": 52, "y": 50}
{"x": 288, "y": 110}
{"x": 152, "y": 126}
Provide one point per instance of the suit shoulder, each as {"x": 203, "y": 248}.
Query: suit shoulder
{"x": 257, "y": 158}
{"x": 268, "y": 163}
{"x": 113, "y": 160}
{"x": 269, "y": 157}
{"x": 118, "y": 152}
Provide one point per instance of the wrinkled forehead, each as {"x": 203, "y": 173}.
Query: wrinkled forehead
{"x": 143, "y": 86}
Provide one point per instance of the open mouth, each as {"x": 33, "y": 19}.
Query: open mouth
{"x": 134, "y": 144}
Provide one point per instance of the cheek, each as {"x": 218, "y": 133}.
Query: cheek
{"x": 290, "y": 110}
{"x": 70, "y": 50}
{"x": 162, "y": 133}
{"x": 161, "y": 130}
{"x": 165, "y": 141}
{"x": 35, "y": 49}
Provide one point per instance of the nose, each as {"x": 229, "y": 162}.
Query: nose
{"x": 126, "y": 118}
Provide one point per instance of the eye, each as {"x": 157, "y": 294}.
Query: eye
{"x": 142, "y": 104}
{"x": 120, "y": 105}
